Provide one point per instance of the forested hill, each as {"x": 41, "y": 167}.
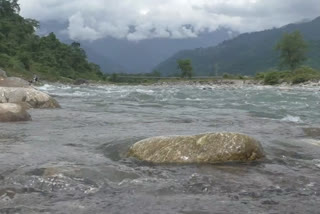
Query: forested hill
{"x": 23, "y": 53}
{"x": 246, "y": 54}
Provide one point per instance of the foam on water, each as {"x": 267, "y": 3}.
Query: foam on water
{"x": 293, "y": 119}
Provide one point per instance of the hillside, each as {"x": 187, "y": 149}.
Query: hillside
{"x": 246, "y": 54}
{"x": 23, "y": 53}
{"x": 135, "y": 56}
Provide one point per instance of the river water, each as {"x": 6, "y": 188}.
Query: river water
{"x": 73, "y": 160}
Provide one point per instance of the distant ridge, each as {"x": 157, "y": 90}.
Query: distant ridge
{"x": 246, "y": 54}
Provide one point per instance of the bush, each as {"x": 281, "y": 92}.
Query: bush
{"x": 271, "y": 78}
{"x": 304, "y": 74}
{"x": 259, "y": 76}
{"x": 300, "y": 78}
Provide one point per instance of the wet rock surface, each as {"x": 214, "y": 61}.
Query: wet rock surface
{"x": 10, "y": 112}
{"x": 29, "y": 97}
{"x": 205, "y": 148}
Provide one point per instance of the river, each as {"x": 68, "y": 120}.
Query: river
{"x": 73, "y": 160}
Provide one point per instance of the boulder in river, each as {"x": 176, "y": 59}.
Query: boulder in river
{"x": 10, "y": 112}
{"x": 14, "y": 82}
{"x": 203, "y": 148}
{"x": 28, "y": 97}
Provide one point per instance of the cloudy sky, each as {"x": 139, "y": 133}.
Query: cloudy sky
{"x": 142, "y": 19}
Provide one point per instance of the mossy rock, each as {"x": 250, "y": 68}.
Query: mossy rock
{"x": 203, "y": 148}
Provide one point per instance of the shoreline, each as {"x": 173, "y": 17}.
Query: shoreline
{"x": 206, "y": 84}
{"x": 222, "y": 83}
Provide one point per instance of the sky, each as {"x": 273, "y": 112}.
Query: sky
{"x": 145, "y": 19}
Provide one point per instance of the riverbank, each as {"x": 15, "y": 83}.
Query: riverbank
{"x": 215, "y": 83}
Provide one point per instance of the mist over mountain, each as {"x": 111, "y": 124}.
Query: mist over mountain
{"x": 246, "y": 54}
{"x": 122, "y": 55}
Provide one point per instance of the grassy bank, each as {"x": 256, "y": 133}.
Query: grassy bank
{"x": 300, "y": 75}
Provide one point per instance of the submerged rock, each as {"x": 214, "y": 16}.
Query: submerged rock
{"x": 10, "y": 112}
{"x": 204, "y": 148}
{"x": 312, "y": 132}
{"x": 28, "y": 97}
{"x": 14, "y": 82}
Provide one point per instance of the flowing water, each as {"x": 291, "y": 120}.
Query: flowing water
{"x": 73, "y": 160}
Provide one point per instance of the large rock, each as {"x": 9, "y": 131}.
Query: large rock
{"x": 3, "y": 74}
{"x": 204, "y": 148}
{"x": 14, "y": 82}
{"x": 10, "y": 112}
{"x": 29, "y": 97}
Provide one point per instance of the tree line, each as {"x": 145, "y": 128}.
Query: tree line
{"x": 24, "y": 53}
{"x": 292, "y": 49}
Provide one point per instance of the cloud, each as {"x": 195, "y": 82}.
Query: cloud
{"x": 145, "y": 19}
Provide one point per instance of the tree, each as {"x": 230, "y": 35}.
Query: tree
{"x": 9, "y": 7}
{"x": 185, "y": 67}
{"x": 292, "y": 49}
{"x": 25, "y": 59}
{"x": 45, "y": 56}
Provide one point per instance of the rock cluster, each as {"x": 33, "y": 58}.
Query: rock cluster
{"x": 28, "y": 97}
{"x": 16, "y": 95}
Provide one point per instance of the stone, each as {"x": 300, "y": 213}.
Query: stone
{"x": 81, "y": 82}
{"x": 14, "y": 82}
{"x": 312, "y": 132}
{"x": 10, "y": 112}
{"x": 203, "y": 148}
{"x": 3, "y": 74}
{"x": 28, "y": 97}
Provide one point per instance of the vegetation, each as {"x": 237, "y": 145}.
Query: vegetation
{"x": 292, "y": 49}
{"x": 23, "y": 53}
{"x": 248, "y": 53}
{"x": 185, "y": 67}
{"x": 234, "y": 76}
{"x": 140, "y": 78}
{"x": 299, "y": 75}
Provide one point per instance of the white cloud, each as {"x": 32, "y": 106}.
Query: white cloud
{"x": 95, "y": 19}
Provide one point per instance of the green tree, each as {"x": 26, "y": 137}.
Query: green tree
{"x": 185, "y": 67}
{"x": 24, "y": 53}
{"x": 292, "y": 49}
{"x": 25, "y": 59}
{"x": 9, "y": 7}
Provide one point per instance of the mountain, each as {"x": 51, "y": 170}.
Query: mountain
{"x": 246, "y": 54}
{"x": 114, "y": 55}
